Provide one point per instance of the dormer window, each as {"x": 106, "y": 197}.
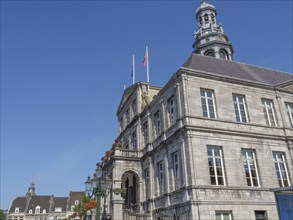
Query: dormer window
{"x": 58, "y": 209}
{"x": 44, "y": 211}
{"x": 30, "y": 211}
{"x": 76, "y": 202}
{"x": 37, "y": 210}
{"x": 16, "y": 210}
{"x": 72, "y": 208}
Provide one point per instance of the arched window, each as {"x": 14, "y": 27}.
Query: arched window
{"x": 206, "y": 17}
{"x": 223, "y": 54}
{"x": 37, "y": 210}
{"x": 210, "y": 53}
{"x": 76, "y": 202}
{"x": 200, "y": 20}
{"x": 44, "y": 211}
{"x": 16, "y": 210}
{"x": 30, "y": 211}
{"x": 213, "y": 17}
{"x": 72, "y": 208}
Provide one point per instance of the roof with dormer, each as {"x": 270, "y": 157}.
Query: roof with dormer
{"x": 236, "y": 70}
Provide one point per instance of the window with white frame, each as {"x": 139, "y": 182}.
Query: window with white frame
{"x": 240, "y": 108}
{"x": 44, "y": 211}
{"x": 76, "y": 202}
{"x": 134, "y": 140}
{"x": 216, "y": 167}
{"x": 145, "y": 132}
{"x": 269, "y": 113}
{"x": 37, "y": 210}
{"x": 208, "y": 103}
{"x": 161, "y": 176}
{"x": 223, "y": 215}
{"x": 171, "y": 110}
{"x": 16, "y": 210}
{"x": 289, "y": 108}
{"x": 158, "y": 123}
{"x": 250, "y": 167}
{"x": 147, "y": 181}
{"x": 281, "y": 169}
{"x": 30, "y": 211}
{"x": 176, "y": 174}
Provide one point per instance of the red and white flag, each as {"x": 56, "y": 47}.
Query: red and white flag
{"x": 145, "y": 58}
{"x": 145, "y": 63}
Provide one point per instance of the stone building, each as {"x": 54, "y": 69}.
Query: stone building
{"x": 43, "y": 207}
{"x": 210, "y": 144}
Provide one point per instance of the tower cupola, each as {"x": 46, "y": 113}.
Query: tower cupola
{"x": 210, "y": 39}
{"x": 31, "y": 190}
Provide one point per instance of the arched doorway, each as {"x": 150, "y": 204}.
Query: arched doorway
{"x": 130, "y": 185}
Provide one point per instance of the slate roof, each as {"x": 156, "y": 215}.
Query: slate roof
{"x": 59, "y": 202}
{"x": 42, "y": 201}
{"x": 232, "y": 69}
{"x": 19, "y": 202}
{"x": 75, "y": 196}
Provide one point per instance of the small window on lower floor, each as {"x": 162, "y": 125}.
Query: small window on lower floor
{"x": 260, "y": 215}
{"x": 224, "y": 215}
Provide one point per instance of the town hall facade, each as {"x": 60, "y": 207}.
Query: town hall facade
{"x": 210, "y": 144}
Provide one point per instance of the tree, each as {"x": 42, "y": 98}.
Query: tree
{"x": 2, "y": 215}
{"x": 81, "y": 209}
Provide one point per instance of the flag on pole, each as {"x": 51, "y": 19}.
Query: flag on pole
{"x": 145, "y": 62}
{"x": 133, "y": 70}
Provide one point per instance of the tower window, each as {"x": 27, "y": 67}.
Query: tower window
{"x": 223, "y": 54}
{"x": 200, "y": 20}
{"x": 210, "y": 53}
{"x": 213, "y": 17}
{"x": 206, "y": 17}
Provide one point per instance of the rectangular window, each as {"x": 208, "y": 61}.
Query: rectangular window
{"x": 269, "y": 113}
{"x": 260, "y": 215}
{"x": 134, "y": 106}
{"x": 134, "y": 140}
{"x": 208, "y": 103}
{"x": 223, "y": 215}
{"x": 240, "y": 108}
{"x": 281, "y": 169}
{"x": 289, "y": 108}
{"x": 171, "y": 110}
{"x": 147, "y": 181}
{"x": 216, "y": 168}
{"x": 127, "y": 115}
{"x": 121, "y": 124}
{"x": 161, "y": 176}
{"x": 157, "y": 123}
{"x": 250, "y": 167}
{"x": 175, "y": 158}
{"x": 145, "y": 133}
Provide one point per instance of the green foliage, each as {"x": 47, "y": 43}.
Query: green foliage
{"x": 81, "y": 208}
{"x": 2, "y": 215}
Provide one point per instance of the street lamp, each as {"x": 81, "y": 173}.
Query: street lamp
{"x": 99, "y": 187}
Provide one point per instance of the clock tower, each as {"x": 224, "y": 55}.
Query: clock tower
{"x": 210, "y": 39}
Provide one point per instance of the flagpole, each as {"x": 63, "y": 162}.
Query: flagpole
{"x": 147, "y": 63}
{"x": 133, "y": 69}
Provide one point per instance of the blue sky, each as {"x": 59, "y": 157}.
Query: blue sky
{"x": 64, "y": 65}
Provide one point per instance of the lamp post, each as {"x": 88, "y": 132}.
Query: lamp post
{"x": 99, "y": 187}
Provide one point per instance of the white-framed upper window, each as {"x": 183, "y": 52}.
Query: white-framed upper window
{"x": 30, "y": 211}
{"x": 269, "y": 113}
{"x": 171, "y": 110}
{"x": 250, "y": 167}
{"x": 281, "y": 169}
{"x": 161, "y": 176}
{"x": 145, "y": 132}
{"x": 176, "y": 170}
{"x": 37, "y": 209}
{"x": 216, "y": 166}
{"x": 44, "y": 211}
{"x": 134, "y": 140}
{"x": 289, "y": 108}
{"x": 76, "y": 202}
{"x": 240, "y": 108}
{"x": 72, "y": 208}
{"x": 16, "y": 210}
{"x": 58, "y": 209}
{"x": 224, "y": 215}
{"x": 208, "y": 103}
{"x": 158, "y": 124}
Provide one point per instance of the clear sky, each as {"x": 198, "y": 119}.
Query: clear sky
{"x": 64, "y": 65}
